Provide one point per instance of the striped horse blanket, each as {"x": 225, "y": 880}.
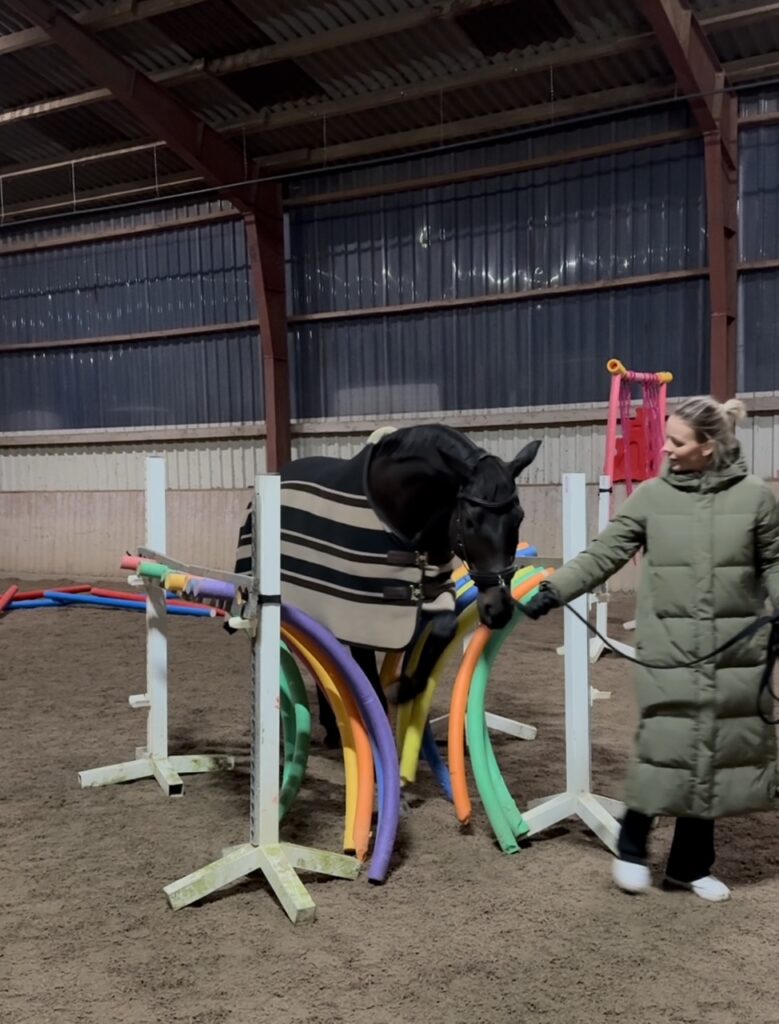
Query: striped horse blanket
{"x": 341, "y": 564}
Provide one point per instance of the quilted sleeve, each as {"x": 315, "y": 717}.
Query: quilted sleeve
{"x": 621, "y": 539}
{"x": 768, "y": 544}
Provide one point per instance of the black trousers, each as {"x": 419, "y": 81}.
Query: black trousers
{"x": 692, "y": 850}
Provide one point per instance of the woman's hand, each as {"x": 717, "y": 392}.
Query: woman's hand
{"x": 543, "y": 603}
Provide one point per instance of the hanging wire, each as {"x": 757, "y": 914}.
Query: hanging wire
{"x": 2, "y": 199}
{"x": 156, "y": 172}
{"x": 73, "y": 183}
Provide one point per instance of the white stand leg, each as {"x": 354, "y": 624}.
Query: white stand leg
{"x": 508, "y": 726}
{"x": 498, "y": 723}
{"x": 152, "y": 761}
{"x": 577, "y": 800}
{"x": 278, "y": 861}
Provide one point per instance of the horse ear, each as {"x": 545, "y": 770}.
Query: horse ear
{"x": 524, "y": 458}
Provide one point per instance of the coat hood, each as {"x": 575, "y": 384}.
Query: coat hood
{"x": 711, "y": 480}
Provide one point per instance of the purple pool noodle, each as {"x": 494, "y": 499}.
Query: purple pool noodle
{"x": 215, "y": 588}
{"x": 376, "y": 720}
{"x": 34, "y": 602}
{"x": 111, "y": 602}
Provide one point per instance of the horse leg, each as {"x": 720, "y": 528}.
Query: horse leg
{"x": 328, "y": 721}
{"x": 366, "y": 660}
{"x": 441, "y": 635}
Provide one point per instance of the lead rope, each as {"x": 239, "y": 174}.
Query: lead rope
{"x": 765, "y": 690}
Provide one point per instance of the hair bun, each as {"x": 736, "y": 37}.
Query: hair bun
{"x": 735, "y": 409}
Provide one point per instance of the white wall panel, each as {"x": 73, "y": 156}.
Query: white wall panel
{"x": 71, "y": 511}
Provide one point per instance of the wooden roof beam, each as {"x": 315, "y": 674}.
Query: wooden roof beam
{"x": 519, "y": 66}
{"x": 702, "y": 78}
{"x": 100, "y": 20}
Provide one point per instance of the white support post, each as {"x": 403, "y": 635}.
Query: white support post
{"x": 153, "y": 761}
{"x": 577, "y": 800}
{"x": 156, "y": 617}
{"x": 278, "y": 861}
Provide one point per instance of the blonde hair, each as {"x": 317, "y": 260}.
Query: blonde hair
{"x": 715, "y": 423}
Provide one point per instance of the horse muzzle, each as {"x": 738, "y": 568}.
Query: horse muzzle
{"x": 496, "y": 607}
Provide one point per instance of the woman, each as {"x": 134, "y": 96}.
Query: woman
{"x": 710, "y": 536}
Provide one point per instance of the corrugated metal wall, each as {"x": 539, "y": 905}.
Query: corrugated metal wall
{"x": 548, "y": 352}
{"x": 187, "y": 278}
{"x": 194, "y": 276}
{"x": 606, "y": 218}
{"x": 211, "y": 378}
{"x": 759, "y": 240}
{"x": 527, "y": 145}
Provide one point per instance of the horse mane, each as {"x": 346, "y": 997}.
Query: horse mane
{"x": 432, "y": 442}
{"x": 428, "y": 442}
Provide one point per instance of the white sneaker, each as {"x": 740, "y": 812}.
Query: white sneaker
{"x": 633, "y": 878}
{"x": 708, "y": 888}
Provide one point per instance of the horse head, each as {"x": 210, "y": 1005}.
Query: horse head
{"x": 484, "y": 527}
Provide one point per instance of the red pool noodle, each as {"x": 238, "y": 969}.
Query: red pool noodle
{"x": 123, "y": 595}
{"x": 129, "y": 562}
{"x": 8, "y": 596}
{"x": 33, "y": 595}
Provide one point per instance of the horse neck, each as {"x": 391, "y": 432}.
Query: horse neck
{"x": 417, "y": 503}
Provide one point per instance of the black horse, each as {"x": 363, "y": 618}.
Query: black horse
{"x": 429, "y": 496}
{"x": 442, "y": 495}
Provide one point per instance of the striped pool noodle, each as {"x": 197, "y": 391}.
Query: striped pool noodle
{"x": 129, "y": 605}
{"x": 122, "y": 595}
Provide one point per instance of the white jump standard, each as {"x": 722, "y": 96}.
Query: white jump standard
{"x": 278, "y": 861}
{"x": 597, "y": 812}
{"x": 153, "y": 760}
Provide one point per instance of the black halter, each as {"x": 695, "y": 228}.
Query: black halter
{"x": 495, "y": 577}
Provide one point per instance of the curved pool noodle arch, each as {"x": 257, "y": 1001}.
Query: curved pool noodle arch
{"x": 420, "y": 710}
{"x": 459, "y": 702}
{"x": 378, "y": 726}
{"x": 344, "y": 717}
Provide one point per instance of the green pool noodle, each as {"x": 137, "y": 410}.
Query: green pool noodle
{"x": 514, "y": 815}
{"x": 477, "y": 748}
{"x": 504, "y": 815}
{"x": 516, "y": 822}
{"x": 296, "y": 720}
{"x": 153, "y": 570}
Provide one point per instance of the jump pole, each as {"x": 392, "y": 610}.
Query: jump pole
{"x": 597, "y": 812}
{"x": 153, "y": 760}
{"x": 264, "y": 852}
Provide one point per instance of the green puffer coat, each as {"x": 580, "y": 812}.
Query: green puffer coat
{"x": 711, "y": 552}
